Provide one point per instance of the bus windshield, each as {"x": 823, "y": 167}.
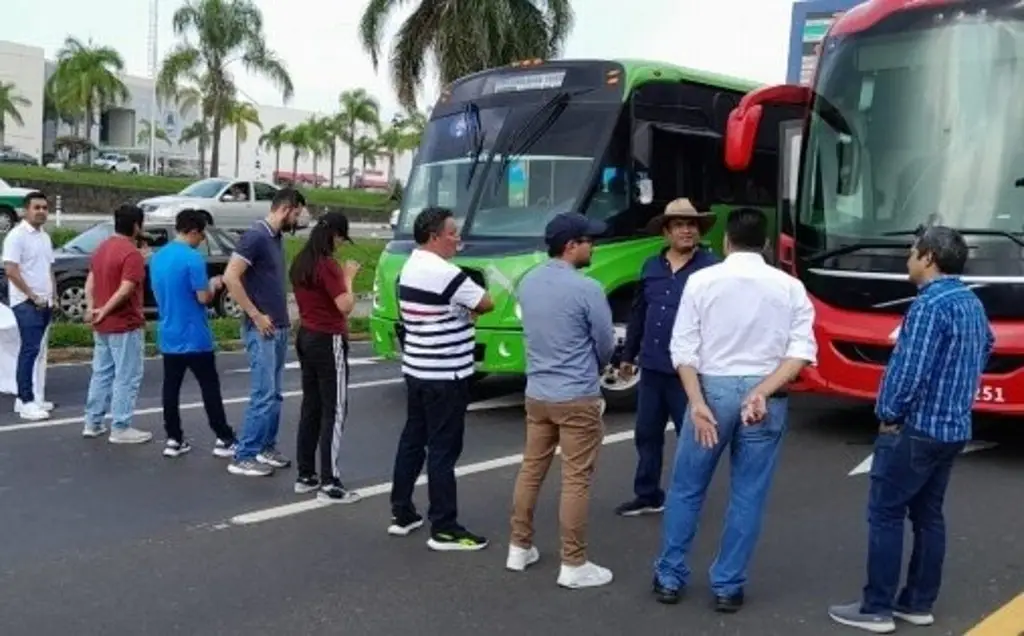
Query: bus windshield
{"x": 522, "y": 190}
{"x": 915, "y": 122}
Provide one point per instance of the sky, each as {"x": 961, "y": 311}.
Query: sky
{"x": 318, "y": 39}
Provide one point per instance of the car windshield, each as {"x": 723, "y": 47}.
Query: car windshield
{"x": 916, "y": 123}
{"x": 205, "y": 189}
{"x": 519, "y": 195}
{"x": 89, "y": 240}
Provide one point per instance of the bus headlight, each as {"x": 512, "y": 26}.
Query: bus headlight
{"x": 373, "y": 294}
{"x": 518, "y": 311}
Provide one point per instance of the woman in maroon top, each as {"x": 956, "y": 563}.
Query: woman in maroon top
{"x": 323, "y": 292}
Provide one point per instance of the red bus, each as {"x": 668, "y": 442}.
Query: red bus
{"x": 911, "y": 119}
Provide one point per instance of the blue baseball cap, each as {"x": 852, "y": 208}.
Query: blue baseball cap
{"x": 571, "y": 226}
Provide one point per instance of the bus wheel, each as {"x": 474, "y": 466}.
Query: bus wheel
{"x": 619, "y": 393}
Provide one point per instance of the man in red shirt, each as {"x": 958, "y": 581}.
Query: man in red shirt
{"x": 113, "y": 294}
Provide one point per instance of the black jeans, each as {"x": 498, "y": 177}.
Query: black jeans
{"x": 324, "y": 361}
{"x": 433, "y": 432}
{"x": 204, "y": 368}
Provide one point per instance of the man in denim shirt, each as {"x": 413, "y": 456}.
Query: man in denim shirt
{"x": 650, "y": 328}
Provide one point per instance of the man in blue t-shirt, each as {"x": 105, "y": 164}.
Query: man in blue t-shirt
{"x": 179, "y": 278}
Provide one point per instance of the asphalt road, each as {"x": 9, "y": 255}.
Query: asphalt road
{"x": 81, "y": 222}
{"x": 99, "y": 539}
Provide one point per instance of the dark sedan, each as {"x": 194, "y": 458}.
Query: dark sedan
{"x": 72, "y": 266}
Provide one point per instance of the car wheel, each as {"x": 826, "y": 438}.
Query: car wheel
{"x": 71, "y": 299}
{"x": 8, "y": 219}
{"x": 226, "y": 307}
{"x": 619, "y": 393}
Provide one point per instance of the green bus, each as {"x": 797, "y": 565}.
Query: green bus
{"x": 508, "y": 148}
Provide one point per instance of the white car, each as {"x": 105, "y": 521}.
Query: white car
{"x": 116, "y": 162}
{"x": 11, "y": 201}
{"x": 231, "y": 205}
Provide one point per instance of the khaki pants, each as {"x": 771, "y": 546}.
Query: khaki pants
{"x": 578, "y": 428}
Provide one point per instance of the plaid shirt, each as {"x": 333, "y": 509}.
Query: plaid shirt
{"x": 936, "y": 366}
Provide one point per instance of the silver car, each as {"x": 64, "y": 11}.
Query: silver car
{"x": 232, "y": 205}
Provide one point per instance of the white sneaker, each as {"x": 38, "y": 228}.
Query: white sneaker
{"x": 521, "y": 558}
{"x": 33, "y": 412}
{"x": 129, "y": 436}
{"x": 586, "y": 575}
{"x": 46, "y": 406}
{"x": 91, "y": 432}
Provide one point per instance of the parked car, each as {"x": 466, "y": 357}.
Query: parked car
{"x": 232, "y": 205}
{"x": 11, "y": 201}
{"x": 72, "y": 266}
{"x": 116, "y": 162}
{"x": 16, "y": 156}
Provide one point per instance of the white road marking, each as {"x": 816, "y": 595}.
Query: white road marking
{"x": 184, "y": 407}
{"x": 220, "y": 355}
{"x": 293, "y": 366}
{"x": 504, "y": 401}
{"x": 971, "y": 447}
{"x": 288, "y": 510}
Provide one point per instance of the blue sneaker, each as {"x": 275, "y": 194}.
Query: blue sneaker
{"x": 852, "y": 616}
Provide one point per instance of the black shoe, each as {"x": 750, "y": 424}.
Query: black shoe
{"x": 459, "y": 539}
{"x": 728, "y": 604}
{"x": 335, "y": 492}
{"x": 404, "y": 523}
{"x": 306, "y": 484}
{"x": 664, "y": 594}
{"x": 638, "y": 507}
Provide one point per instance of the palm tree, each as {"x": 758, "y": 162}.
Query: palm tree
{"x": 240, "y": 115}
{"x": 273, "y": 139}
{"x": 144, "y": 133}
{"x": 357, "y": 107}
{"x": 199, "y": 132}
{"x": 412, "y": 123}
{"x": 393, "y": 141}
{"x": 87, "y": 80}
{"x": 186, "y": 94}
{"x": 338, "y": 127}
{"x": 11, "y": 104}
{"x": 367, "y": 148}
{"x": 299, "y": 139}
{"x": 319, "y": 140}
{"x": 225, "y": 31}
{"x": 463, "y": 38}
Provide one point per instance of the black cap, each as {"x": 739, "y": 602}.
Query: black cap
{"x": 571, "y": 226}
{"x": 337, "y": 222}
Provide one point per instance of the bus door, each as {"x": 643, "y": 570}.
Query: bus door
{"x": 790, "y": 138}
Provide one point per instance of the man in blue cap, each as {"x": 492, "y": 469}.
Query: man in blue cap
{"x": 569, "y": 336}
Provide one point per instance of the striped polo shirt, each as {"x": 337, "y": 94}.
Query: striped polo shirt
{"x": 435, "y": 298}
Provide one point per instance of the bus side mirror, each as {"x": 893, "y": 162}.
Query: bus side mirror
{"x": 644, "y": 189}
{"x": 740, "y": 136}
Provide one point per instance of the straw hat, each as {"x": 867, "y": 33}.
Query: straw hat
{"x": 681, "y": 209}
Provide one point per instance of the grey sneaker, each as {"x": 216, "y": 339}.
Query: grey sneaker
{"x": 223, "y": 449}
{"x": 92, "y": 432}
{"x": 174, "y": 448}
{"x": 920, "y": 619}
{"x": 271, "y": 457}
{"x": 129, "y": 436}
{"x": 336, "y": 493}
{"x": 250, "y": 468}
{"x": 851, "y": 616}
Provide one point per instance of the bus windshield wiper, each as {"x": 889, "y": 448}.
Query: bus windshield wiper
{"x": 966, "y": 231}
{"x": 843, "y": 250}
{"x": 471, "y": 113}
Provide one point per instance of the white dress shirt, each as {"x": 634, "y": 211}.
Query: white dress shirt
{"x": 742, "y": 317}
{"x": 32, "y": 251}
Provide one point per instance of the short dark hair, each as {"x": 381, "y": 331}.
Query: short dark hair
{"x": 747, "y": 229}
{"x": 429, "y": 222}
{"x": 945, "y": 246}
{"x": 32, "y": 196}
{"x": 190, "y": 220}
{"x": 287, "y": 196}
{"x": 126, "y": 218}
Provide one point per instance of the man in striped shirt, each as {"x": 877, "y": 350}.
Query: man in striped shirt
{"x": 437, "y": 304}
{"x": 924, "y": 407}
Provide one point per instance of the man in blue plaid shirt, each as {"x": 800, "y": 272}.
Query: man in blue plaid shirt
{"x": 924, "y": 407}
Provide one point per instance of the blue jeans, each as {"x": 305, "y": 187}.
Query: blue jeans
{"x": 909, "y": 476}
{"x": 753, "y": 452}
{"x": 32, "y": 322}
{"x": 116, "y": 377}
{"x": 660, "y": 396}
{"x": 266, "y": 372}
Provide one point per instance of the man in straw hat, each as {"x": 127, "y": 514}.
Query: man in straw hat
{"x": 661, "y": 396}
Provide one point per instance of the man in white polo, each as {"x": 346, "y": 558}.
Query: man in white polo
{"x": 28, "y": 263}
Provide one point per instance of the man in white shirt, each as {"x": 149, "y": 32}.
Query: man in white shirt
{"x": 28, "y": 263}
{"x": 743, "y": 332}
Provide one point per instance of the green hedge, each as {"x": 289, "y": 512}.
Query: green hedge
{"x": 64, "y": 335}
{"x": 170, "y": 185}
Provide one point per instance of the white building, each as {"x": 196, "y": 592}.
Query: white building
{"x": 118, "y": 127}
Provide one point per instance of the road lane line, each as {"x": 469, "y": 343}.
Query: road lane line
{"x": 288, "y": 510}
{"x": 1008, "y": 620}
{"x": 28, "y": 426}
